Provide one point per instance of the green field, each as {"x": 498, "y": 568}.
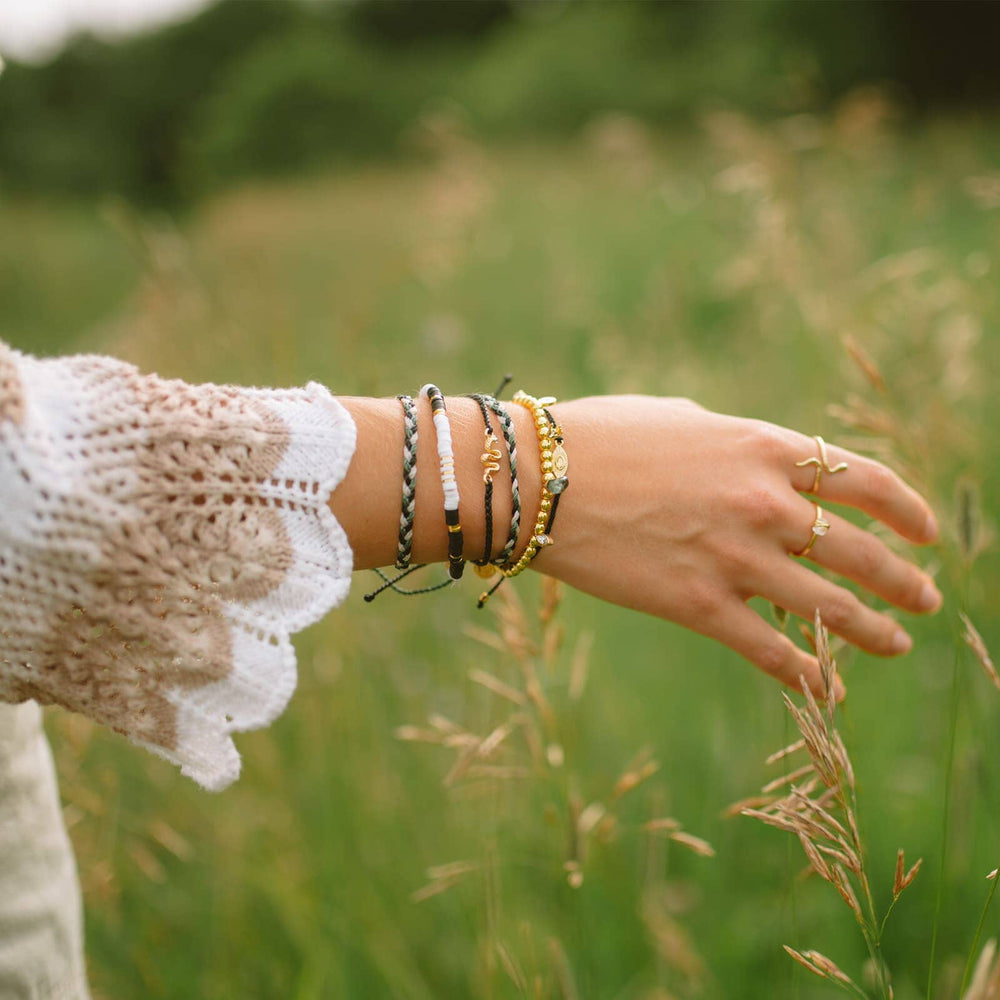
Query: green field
{"x": 725, "y": 265}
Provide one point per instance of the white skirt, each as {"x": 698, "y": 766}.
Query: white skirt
{"x": 41, "y": 919}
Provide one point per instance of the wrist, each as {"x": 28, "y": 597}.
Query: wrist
{"x": 367, "y": 503}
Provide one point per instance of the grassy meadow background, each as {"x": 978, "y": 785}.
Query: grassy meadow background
{"x": 725, "y": 259}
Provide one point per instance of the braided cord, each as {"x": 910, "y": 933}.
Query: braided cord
{"x": 489, "y": 467}
{"x": 409, "y": 482}
{"x": 507, "y": 429}
{"x": 390, "y": 583}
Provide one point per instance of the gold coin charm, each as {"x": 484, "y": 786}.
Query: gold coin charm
{"x": 484, "y": 571}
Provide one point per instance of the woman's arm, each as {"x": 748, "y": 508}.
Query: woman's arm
{"x": 672, "y": 510}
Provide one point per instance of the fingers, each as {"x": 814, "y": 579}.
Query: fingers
{"x": 744, "y": 631}
{"x": 795, "y": 587}
{"x": 866, "y": 484}
{"x": 866, "y": 559}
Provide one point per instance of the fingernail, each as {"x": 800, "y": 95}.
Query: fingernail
{"x": 931, "y": 528}
{"x": 930, "y": 598}
{"x": 839, "y": 691}
{"x": 901, "y": 642}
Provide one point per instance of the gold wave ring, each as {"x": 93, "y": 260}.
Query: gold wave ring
{"x": 822, "y": 464}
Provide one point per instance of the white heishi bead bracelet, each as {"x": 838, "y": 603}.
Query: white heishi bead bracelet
{"x": 449, "y": 484}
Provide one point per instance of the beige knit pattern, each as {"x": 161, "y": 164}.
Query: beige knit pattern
{"x": 158, "y": 543}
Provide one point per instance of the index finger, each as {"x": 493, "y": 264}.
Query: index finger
{"x": 865, "y": 484}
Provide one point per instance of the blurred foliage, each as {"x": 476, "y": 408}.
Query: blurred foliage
{"x": 275, "y": 86}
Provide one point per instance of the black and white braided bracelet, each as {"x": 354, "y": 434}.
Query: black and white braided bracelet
{"x": 409, "y": 482}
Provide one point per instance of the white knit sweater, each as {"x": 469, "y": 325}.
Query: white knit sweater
{"x": 159, "y": 543}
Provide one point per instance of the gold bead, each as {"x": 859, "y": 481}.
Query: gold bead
{"x": 546, "y": 454}
{"x": 546, "y": 503}
{"x": 547, "y": 466}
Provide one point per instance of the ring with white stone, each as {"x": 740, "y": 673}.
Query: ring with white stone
{"x": 819, "y": 528}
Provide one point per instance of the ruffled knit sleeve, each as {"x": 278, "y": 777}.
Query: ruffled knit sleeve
{"x": 159, "y": 543}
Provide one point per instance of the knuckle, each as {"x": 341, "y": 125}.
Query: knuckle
{"x": 870, "y": 557}
{"x": 775, "y": 657}
{"x": 763, "y": 507}
{"x": 880, "y": 482}
{"x": 704, "y": 601}
{"x": 839, "y": 611}
{"x": 739, "y": 559}
{"x": 771, "y": 444}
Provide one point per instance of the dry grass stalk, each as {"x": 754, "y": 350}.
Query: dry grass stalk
{"x": 500, "y": 772}
{"x": 904, "y": 879}
{"x": 485, "y": 637}
{"x": 579, "y": 665}
{"x": 816, "y": 859}
{"x": 864, "y": 361}
{"x": 985, "y": 983}
{"x": 497, "y": 686}
{"x": 820, "y": 809}
{"x": 787, "y": 779}
{"x": 414, "y": 734}
{"x": 589, "y": 818}
{"x": 552, "y": 641}
{"x": 665, "y": 825}
{"x": 821, "y": 966}
{"x": 563, "y": 971}
{"x": 147, "y": 863}
{"x": 862, "y": 416}
{"x": 976, "y": 644}
{"x": 972, "y": 538}
{"x": 700, "y": 847}
{"x": 673, "y": 943}
{"x": 750, "y": 806}
{"x": 551, "y": 599}
{"x": 530, "y": 745}
{"x": 786, "y": 752}
{"x": 513, "y": 626}
{"x": 512, "y": 967}
{"x": 168, "y": 838}
{"x": 482, "y": 749}
{"x": 638, "y": 770}
{"x": 441, "y": 878}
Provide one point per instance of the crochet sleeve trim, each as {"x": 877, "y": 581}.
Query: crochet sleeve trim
{"x": 159, "y": 544}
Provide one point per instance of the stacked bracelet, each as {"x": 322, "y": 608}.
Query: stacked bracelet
{"x": 507, "y": 429}
{"x": 491, "y": 463}
{"x": 442, "y": 429}
{"x": 555, "y": 465}
{"x": 405, "y": 544}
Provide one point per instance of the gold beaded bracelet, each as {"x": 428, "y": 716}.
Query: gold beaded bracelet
{"x": 555, "y": 465}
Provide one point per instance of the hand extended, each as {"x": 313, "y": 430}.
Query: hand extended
{"x": 672, "y": 510}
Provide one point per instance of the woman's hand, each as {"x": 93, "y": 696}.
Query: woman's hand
{"x": 686, "y": 514}
{"x": 672, "y": 510}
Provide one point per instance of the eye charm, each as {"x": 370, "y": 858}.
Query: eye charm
{"x": 560, "y": 462}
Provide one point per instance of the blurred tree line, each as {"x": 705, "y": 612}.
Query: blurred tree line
{"x": 272, "y": 86}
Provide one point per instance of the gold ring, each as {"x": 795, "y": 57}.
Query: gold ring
{"x": 819, "y": 528}
{"x": 822, "y": 464}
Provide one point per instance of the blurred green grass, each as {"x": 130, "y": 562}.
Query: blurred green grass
{"x": 722, "y": 265}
